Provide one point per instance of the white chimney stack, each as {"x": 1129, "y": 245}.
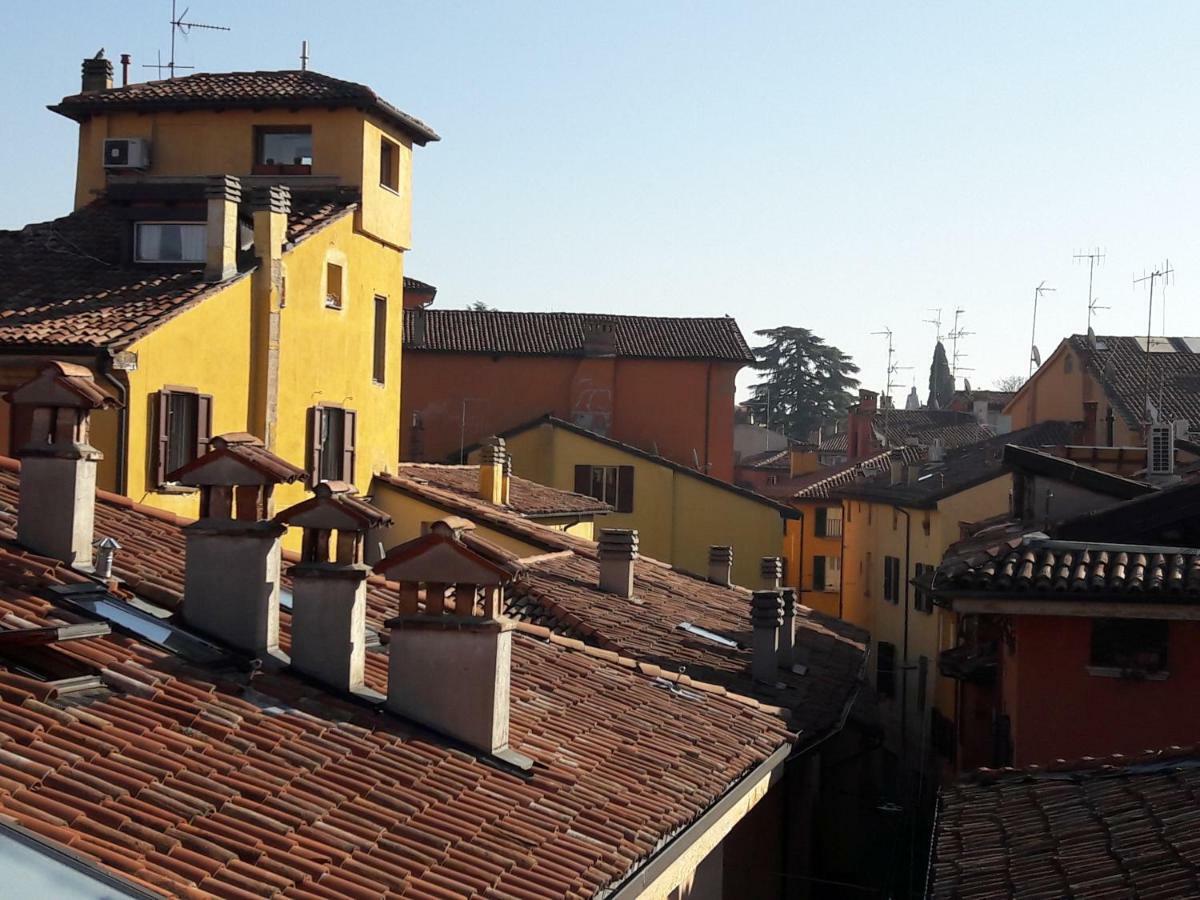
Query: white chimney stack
{"x": 618, "y": 552}
{"x": 223, "y": 194}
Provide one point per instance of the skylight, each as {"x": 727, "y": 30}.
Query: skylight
{"x": 709, "y": 635}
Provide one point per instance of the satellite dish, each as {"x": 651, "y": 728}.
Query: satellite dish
{"x": 967, "y": 385}
{"x": 1037, "y": 357}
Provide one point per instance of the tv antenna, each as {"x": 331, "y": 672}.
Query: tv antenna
{"x": 1035, "y": 358}
{"x": 955, "y": 356}
{"x": 1163, "y": 274}
{"x": 936, "y": 322}
{"x": 1094, "y": 258}
{"x": 892, "y": 368}
{"x": 181, "y": 26}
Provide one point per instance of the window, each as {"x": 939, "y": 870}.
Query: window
{"x": 389, "y": 164}
{"x": 922, "y": 682}
{"x": 169, "y": 242}
{"x": 184, "y": 426}
{"x": 333, "y": 286}
{"x": 283, "y": 150}
{"x": 379, "y": 360}
{"x": 331, "y": 444}
{"x": 827, "y": 573}
{"x": 610, "y": 484}
{"x": 922, "y": 601}
{"x": 1130, "y": 645}
{"x": 885, "y": 670}
{"x": 828, "y": 522}
{"x": 818, "y": 576}
{"x": 891, "y": 579}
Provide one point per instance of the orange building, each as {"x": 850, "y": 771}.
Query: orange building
{"x": 664, "y": 385}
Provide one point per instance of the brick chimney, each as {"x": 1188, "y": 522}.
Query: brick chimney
{"x": 97, "y": 74}
{"x": 860, "y": 429}
{"x": 329, "y": 584}
{"x": 770, "y": 569}
{"x": 231, "y": 571}
{"x": 491, "y": 470}
{"x": 449, "y": 665}
{"x": 787, "y": 632}
{"x": 223, "y": 193}
{"x": 269, "y": 207}
{"x": 766, "y": 615}
{"x": 58, "y": 465}
{"x": 720, "y": 565}
{"x": 617, "y": 553}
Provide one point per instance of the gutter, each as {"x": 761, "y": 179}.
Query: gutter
{"x": 640, "y": 879}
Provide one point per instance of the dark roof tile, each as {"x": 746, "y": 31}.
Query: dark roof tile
{"x": 526, "y": 498}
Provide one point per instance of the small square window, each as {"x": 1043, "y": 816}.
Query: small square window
{"x": 389, "y": 165}
{"x": 283, "y": 150}
{"x": 169, "y": 242}
{"x": 333, "y": 285}
{"x": 1131, "y": 645}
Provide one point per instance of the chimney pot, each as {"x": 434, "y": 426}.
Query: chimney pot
{"x": 787, "y": 632}
{"x": 223, "y": 193}
{"x": 720, "y": 565}
{"x": 618, "y": 551}
{"x": 97, "y": 74}
{"x": 771, "y": 570}
{"x": 766, "y": 615}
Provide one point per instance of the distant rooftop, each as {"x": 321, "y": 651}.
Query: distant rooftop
{"x": 526, "y": 498}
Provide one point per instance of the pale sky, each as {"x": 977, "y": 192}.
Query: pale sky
{"x": 841, "y": 166}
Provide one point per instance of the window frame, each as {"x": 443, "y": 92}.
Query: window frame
{"x": 891, "y": 579}
{"x": 143, "y": 260}
{"x": 379, "y": 341}
{"x": 202, "y": 429}
{"x": 922, "y": 599}
{"x": 389, "y": 180}
{"x": 335, "y": 300}
{"x": 261, "y": 167}
{"x": 318, "y": 452}
{"x": 1109, "y": 662}
{"x": 623, "y": 485}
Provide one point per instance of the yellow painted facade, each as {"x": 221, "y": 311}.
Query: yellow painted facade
{"x": 875, "y": 531}
{"x": 805, "y": 547}
{"x": 678, "y": 515}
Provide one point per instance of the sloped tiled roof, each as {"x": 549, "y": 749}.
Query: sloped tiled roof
{"x": 564, "y": 334}
{"x": 66, "y": 283}
{"x": 1119, "y": 827}
{"x": 817, "y": 485}
{"x": 287, "y": 89}
{"x": 766, "y": 459}
{"x": 895, "y": 426}
{"x": 239, "y": 782}
{"x": 526, "y": 498}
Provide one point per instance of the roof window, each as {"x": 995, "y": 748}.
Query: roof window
{"x": 719, "y": 639}
{"x": 169, "y": 242}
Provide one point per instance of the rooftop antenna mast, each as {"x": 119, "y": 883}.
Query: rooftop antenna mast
{"x": 892, "y": 368}
{"x": 955, "y": 355}
{"x": 936, "y": 322}
{"x": 181, "y": 26}
{"x": 1035, "y": 358}
{"x": 1094, "y": 258}
{"x": 1163, "y": 274}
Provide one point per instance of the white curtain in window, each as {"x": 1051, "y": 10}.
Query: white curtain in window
{"x": 170, "y": 242}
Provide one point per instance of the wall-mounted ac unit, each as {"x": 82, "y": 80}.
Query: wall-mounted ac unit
{"x": 126, "y": 153}
{"x": 1161, "y": 455}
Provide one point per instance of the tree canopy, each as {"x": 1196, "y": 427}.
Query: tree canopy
{"x": 806, "y": 383}
{"x": 941, "y": 382}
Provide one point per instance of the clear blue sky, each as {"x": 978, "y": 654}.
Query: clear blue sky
{"x": 842, "y": 166}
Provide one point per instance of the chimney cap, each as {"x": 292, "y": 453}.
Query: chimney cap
{"x": 336, "y": 506}
{"x": 720, "y": 553}
{"x": 439, "y": 558}
{"x": 236, "y": 459}
{"x": 62, "y": 385}
{"x": 617, "y": 542}
{"x": 766, "y": 609}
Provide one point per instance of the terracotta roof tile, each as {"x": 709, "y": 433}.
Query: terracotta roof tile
{"x": 526, "y": 498}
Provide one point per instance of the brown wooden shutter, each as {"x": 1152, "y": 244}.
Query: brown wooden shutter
{"x": 818, "y": 576}
{"x": 162, "y": 427}
{"x": 349, "y": 423}
{"x": 821, "y": 525}
{"x": 625, "y": 489}
{"x": 583, "y": 480}
{"x": 314, "y": 446}
{"x": 204, "y": 405}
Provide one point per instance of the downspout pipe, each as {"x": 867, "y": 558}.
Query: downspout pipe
{"x": 104, "y": 365}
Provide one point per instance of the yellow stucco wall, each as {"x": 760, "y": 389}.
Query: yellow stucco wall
{"x": 677, "y": 517}
{"x": 809, "y": 545}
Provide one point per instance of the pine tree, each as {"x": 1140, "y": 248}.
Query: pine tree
{"x": 807, "y": 383}
{"x": 941, "y": 382}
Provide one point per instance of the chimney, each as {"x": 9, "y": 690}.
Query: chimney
{"x": 491, "y": 471}
{"x": 450, "y": 668}
{"x": 913, "y": 471}
{"x": 600, "y": 339}
{"x": 896, "y": 469}
{"x": 231, "y": 570}
{"x": 269, "y": 207}
{"x": 329, "y": 595}
{"x": 787, "y": 633}
{"x": 58, "y": 465}
{"x": 223, "y": 193}
{"x": 617, "y": 554}
{"x": 97, "y": 74}
{"x": 508, "y": 473}
{"x": 861, "y": 426}
{"x": 766, "y": 615}
{"x": 126, "y": 60}
{"x": 720, "y": 565}
{"x": 770, "y": 568}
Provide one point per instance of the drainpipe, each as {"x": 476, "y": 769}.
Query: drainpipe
{"x": 904, "y": 655}
{"x": 842, "y": 570}
{"x": 707, "y": 418}
{"x": 104, "y": 367}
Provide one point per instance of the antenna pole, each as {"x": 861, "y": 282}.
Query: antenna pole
{"x": 1165, "y": 274}
{"x": 892, "y": 369}
{"x": 303, "y": 55}
{"x": 955, "y": 356}
{"x": 1094, "y": 258}
{"x": 1037, "y": 293}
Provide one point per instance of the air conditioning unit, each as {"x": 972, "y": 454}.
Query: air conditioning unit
{"x": 126, "y": 153}
{"x": 1161, "y": 453}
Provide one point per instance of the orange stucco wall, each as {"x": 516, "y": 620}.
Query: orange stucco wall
{"x": 682, "y": 408}
{"x": 1087, "y": 715}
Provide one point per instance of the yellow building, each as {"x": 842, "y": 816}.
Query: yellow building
{"x": 899, "y": 523}
{"x": 678, "y": 512}
{"x": 266, "y": 299}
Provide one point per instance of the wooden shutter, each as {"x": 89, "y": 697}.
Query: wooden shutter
{"x": 887, "y": 578}
{"x": 818, "y": 578}
{"x": 162, "y": 430}
{"x": 314, "y": 445}
{"x": 885, "y": 670}
{"x": 583, "y": 480}
{"x": 204, "y": 404}
{"x": 625, "y": 489}
{"x": 349, "y": 424}
{"x": 820, "y": 526}
{"x": 895, "y": 579}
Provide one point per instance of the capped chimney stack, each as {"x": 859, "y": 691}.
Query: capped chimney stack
{"x": 770, "y": 569}
{"x": 508, "y": 476}
{"x": 720, "y": 565}
{"x": 223, "y": 194}
{"x": 617, "y": 553}
{"x": 787, "y": 632}
{"x": 58, "y": 465}
{"x": 491, "y": 470}
{"x": 329, "y": 584}
{"x": 231, "y": 572}
{"x": 97, "y": 74}
{"x": 449, "y": 664}
{"x": 766, "y": 615}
